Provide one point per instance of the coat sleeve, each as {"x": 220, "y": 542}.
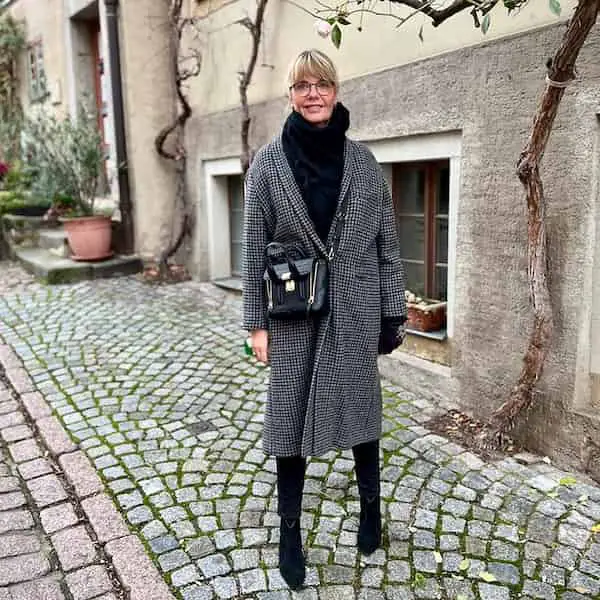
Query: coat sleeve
{"x": 391, "y": 270}
{"x": 255, "y": 239}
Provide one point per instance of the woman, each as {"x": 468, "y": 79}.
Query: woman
{"x": 324, "y": 391}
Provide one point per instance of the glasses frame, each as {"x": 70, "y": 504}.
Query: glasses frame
{"x": 331, "y": 85}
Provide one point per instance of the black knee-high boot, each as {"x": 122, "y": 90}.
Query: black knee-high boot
{"x": 290, "y": 485}
{"x": 366, "y": 460}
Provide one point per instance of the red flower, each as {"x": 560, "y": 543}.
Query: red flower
{"x": 4, "y": 169}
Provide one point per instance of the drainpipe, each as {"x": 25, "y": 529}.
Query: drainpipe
{"x": 125, "y": 205}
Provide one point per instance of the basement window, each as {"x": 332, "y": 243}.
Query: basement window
{"x": 421, "y": 194}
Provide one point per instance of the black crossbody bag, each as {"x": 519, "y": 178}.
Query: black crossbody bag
{"x": 297, "y": 286}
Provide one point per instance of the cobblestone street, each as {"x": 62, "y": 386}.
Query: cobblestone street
{"x": 152, "y": 386}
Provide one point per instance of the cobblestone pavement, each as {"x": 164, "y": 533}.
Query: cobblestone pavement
{"x": 14, "y": 279}
{"x": 153, "y": 385}
{"x": 46, "y": 552}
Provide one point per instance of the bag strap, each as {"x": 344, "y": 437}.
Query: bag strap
{"x": 340, "y": 217}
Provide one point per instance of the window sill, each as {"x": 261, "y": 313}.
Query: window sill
{"x": 440, "y": 336}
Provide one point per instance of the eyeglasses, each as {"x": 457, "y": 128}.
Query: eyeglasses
{"x": 303, "y": 88}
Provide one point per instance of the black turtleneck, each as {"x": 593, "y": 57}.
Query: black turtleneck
{"x": 316, "y": 157}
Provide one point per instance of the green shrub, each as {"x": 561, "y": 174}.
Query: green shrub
{"x": 12, "y": 201}
{"x": 64, "y": 158}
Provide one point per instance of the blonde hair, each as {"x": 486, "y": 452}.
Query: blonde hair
{"x": 312, "y": 63}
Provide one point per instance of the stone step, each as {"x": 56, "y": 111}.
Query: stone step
{"x": 55, "y": 240}
{"x": 49, "y": 268}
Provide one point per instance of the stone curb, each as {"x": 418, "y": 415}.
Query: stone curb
{"x": 80, "y": 474}
{"x": 54, "y": 436}
{"x": 35, "y": 405}
{"x": 132, "y": 565}
{"x": 136, "y": 570}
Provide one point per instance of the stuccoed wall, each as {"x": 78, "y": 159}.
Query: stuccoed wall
{"x": 489, "y": 93}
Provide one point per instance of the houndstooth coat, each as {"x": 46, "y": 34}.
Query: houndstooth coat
{"x": 324, "y": 391}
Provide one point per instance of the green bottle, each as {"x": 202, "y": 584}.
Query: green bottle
{"x": 248, "y": 347}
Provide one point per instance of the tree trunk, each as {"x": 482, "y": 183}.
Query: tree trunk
{"x": 560, "y": 72}
{"x": 176, "y": 131}
{"x": 255, "y": 28}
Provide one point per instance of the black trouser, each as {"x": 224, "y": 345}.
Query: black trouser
{"x": 290, "y": 478}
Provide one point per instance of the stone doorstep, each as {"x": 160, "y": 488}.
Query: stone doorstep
{"x": 54, "y": 240}
{"x": 53, "y": 269}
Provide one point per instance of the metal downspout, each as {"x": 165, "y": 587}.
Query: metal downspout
{"x": 125, "y": 205}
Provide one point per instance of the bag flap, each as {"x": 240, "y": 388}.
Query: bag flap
{"x": 282, "y": 271}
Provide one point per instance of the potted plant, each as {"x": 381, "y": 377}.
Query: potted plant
{"x": 425, "y": 314}
{"x": 65, "y": 158}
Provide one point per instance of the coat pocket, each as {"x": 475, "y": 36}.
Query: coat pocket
{"x": 367, "y": 271}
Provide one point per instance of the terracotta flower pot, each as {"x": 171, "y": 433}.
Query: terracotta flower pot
{"x": 89, "y": 237}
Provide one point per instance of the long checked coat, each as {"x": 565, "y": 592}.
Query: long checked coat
{"x": 324, "y": 391}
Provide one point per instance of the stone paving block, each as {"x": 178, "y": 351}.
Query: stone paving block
{"x": 47, "y": 490}
{"x": 245, "y": 559}
{"x": 40, "y": 589}
{"x": 213, "y": 565}
{"x": 10, "y": 500}
{"x": 23, "y": 568}
{"x": 493, "y": 592}
{"x": 24, "y": 450}
{"x": 372, "y": 577}
{"x": 15, "y": 544}
{"x": 90, "y": 582}
{"x": 136, "y": 571}
{"x": 458, "y": 589}
{"x": 104, "y": 518}
{"x": 536, "y": 589}
{"x": 252, "y": 581}
{"x": 139, "y": 514}
{"x": 337, "y": 574}
{"x": 19, "y": 379}
{"x": 74, "y": 548}
{"x": 184, "y": 576}
{"x": 34, "y": 468}
{"x": 224, "y": 587}
{"x": 35, "y": 405}
{"x": 15, "y": 520}
{"x": 54, "y": 436}
{"x": 337, "y": 592}
{"x": 7, "y": 405}
{"x": 579, "y": 581}
{"x": 58, "y": 517}
{"x": 200, "y": 547}
{"x": 80, "y": 474}
{"x": 9, "y": 484}
{"x": 16, "y": 433}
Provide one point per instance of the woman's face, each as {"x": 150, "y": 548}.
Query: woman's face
{"x": 314, "y": 99}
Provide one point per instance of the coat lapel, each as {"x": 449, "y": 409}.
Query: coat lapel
{"x": 344, "y": 187}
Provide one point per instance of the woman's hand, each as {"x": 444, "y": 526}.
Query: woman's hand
{"x": 260, "y": 344}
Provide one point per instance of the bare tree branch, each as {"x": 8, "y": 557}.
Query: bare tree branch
{"x": 425, "y": 7}
{"x": 255, "y": 28}
{"x": 438, "y": 16}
